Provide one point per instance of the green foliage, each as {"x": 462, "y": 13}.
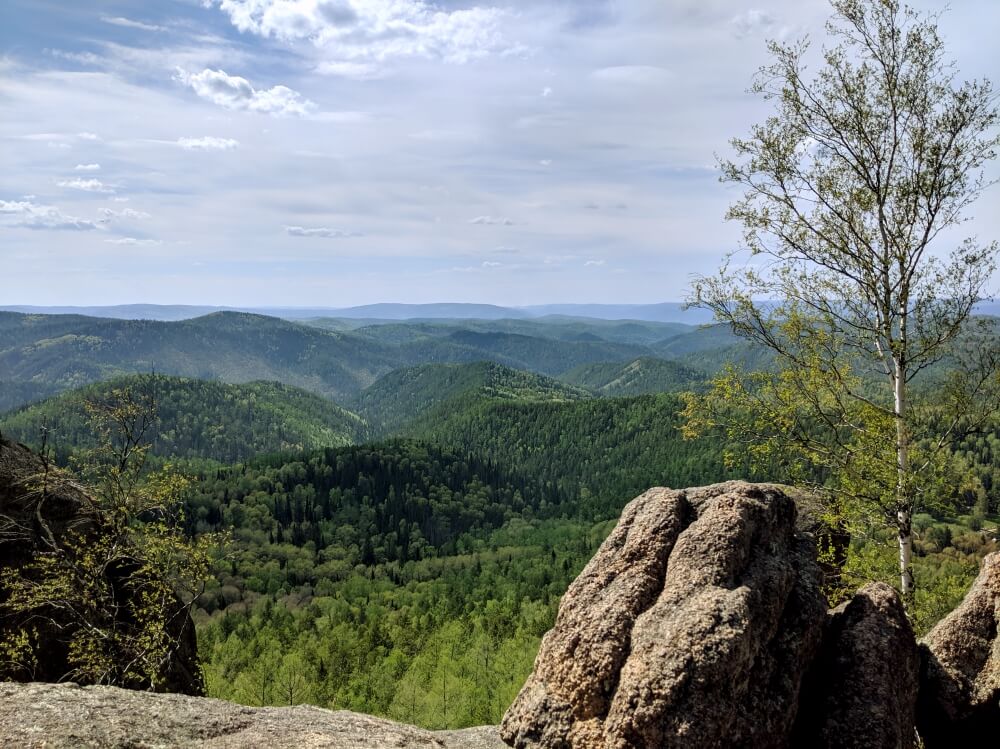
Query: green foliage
{"x": 366, "y": 505}
{"x": 69, "y": 351}
{"x": 441, "y": 642}
{"x": 117, "y": 581}
{"x": 603, "y": 452}
{"x": 427, "y": 392}
{"x": 639, "y": 377}
{"x": 195, "y": 419}
{"x": 45, "y": 354}
{"x": 944, "y": 567}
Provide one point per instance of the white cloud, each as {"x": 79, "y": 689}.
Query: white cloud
{"x": 491, "y": 221}
{"x": 88, "y": 136}
{"x": 491, "y": 264}
{"x": 126, "y": 213}
{"x": 87, "y": 185}
{"x": 87, "y": 167}
{"x": 545, "y": 162}
{"x": 593, "y": 263}
{"x": 546, "y": 92}
{"x": 322, "y": 231}
{"x": 130, "y": 24}
{"x": 82, "y": 58}
{"x": 207, "y": 143}
{"x": 376, "y": 30}
{"x": 134, "y": 242}
{"x": 29, "y": 215}
{"x": 234, "y": 92}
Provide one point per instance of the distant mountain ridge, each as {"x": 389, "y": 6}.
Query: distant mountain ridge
{"x": 41, "y": 355}
{"x": 663, "y": 312}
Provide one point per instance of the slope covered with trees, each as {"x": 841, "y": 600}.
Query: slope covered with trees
{"x": 602, "y": 450}
{"x": 429, "y": 391}
{"x": 195, "y": 418}
{"x": 41, "y": 355}
{"x": 639, "y": 377}
{"x": 70, "y": 351}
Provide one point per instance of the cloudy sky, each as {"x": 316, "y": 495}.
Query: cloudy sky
{"x": 339, "y": 152}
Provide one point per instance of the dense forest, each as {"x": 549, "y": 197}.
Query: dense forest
{"x": 413, "y": 577}
{"x": 44, "y": 354}
{"x": 640, "y": 377}
{"x": 428, "y": 392}
{"x": 196, "y": 419}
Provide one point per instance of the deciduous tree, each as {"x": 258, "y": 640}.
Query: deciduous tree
{"x": 854, "y": 189}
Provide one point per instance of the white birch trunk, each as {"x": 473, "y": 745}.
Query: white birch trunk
{"x": 904, "y": 520}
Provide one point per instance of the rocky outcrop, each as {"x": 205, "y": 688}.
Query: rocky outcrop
{"x": 39, "y": 507}
{"x": 960, "y": 668}
{"x": 861, "y": 691}
{"x": 66, "y": 716}
{"x": 691, "y": 627}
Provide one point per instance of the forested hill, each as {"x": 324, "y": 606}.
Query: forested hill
{"x": 69, "y": 351}
{"x": 429, "y": 392}
{"x": 368, "y": 504}
{"x": 639, "y": 377}
{"x": 635, "y": 332}
{"x": 41, "y": 355}
{"x": 196, "y": 418}
{"x": 602, "y": 451}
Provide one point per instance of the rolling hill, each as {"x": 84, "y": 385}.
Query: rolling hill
{"x": 197, "y": 418}
{"x": 65, "y": 352}
{"x": 429, "y": 392}
{"x": 41, "y": 355}
{"x": 637, "y": 377}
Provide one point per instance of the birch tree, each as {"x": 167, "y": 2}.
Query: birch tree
{"x": 853, "y": 195}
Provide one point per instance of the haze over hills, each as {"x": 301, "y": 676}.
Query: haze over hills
{"x": 44, "y": 354}
{"x": 664, "y": 312}
{"x": 69, "y": 351}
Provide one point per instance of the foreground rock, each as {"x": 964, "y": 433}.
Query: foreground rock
{"x": 861, "y": 691}
{"x": 960, "y": 679}
{"x": 691, "y": 627}
{"x": 54, "y": 716}
{"x": 34, "y": 519}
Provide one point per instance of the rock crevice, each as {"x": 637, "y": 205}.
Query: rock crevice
{"x": 721, "y": 600}
{"x": 701, "y": 622}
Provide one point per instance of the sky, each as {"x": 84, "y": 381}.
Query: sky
{"x": 342, "y": 152}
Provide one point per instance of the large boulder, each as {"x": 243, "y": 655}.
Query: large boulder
{"x": 960, "y": 668}
{"x": 691, "y": 627}
{"x": 39, "y": 507}
{"x": 861, "y": 692}
{"x": 66, "y": 716}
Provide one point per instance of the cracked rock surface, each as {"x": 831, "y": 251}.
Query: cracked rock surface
{"x": 691, "y": 627}
{"x": 66, "y": 716}
{"x": 960, "y": 667}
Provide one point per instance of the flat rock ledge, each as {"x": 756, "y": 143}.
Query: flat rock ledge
{"x": 57, "y": 716}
